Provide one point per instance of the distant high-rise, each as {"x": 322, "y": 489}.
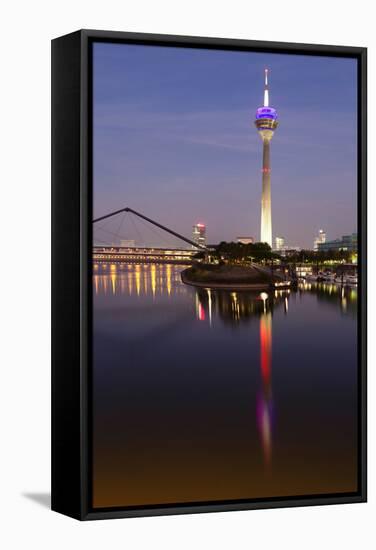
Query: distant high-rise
{"x": 199, "y": 234}
{"x": 266, "y": 122}
{"x": 279, "y": 243}
{"x": 320, "y": 239}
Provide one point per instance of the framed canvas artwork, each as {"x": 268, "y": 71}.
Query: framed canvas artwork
{"x": 209, "y": 274}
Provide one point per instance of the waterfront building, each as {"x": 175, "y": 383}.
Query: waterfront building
{"x": 284, "y": 249}
{"x": 345, "y": 243}
{"x": 303, "y": 270}
{"x": 114, "y": 254}
{"x": 245, "y": 240}
{"x": 279, "y": 243}
{"x": 199, "y": 234}
{"x": 320, "y": 239}
{"x": 266, "y": 122}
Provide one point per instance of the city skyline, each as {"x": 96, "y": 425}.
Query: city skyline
{"x": 173, "y": 138}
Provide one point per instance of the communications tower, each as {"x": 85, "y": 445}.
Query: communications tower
{"x": 266, "y": 122}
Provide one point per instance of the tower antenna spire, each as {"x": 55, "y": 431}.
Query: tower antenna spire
{"x": 266, "y": 90}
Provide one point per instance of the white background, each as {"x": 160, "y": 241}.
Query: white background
{"x": 27, "y": 27}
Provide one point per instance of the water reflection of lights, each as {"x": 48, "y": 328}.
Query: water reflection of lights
{"x": 210, "y": 305}
{"x": 145, "y": 279}
{"x": 164, "y": 279}
{"x": 200, "y": 312}
{"x": 216, "y": 307}
{"x": 234, "y": 308}
{"x": 113, "y": 282}
{"x": 153, "y": 280}
{"x": 265, "y": 346}
{"x": 168, "y": 279}
{"x": 238, "y": 307}
{"x": 344, "y": 296}
{"x": 138, "y": 279}
{"x": 264, "y": 402}
{"x": 343, "y": 300}
{"x": 235, "y": 304}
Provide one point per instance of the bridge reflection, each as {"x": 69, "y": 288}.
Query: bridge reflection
{"x": 137, "y": 279}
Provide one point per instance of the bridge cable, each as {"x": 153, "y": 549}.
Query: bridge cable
{"x": 142, "y": 242}
{"x": 120, "y": 226}
{"x": 109, "y": 232}
{"x": 157, "y": 233}
{"x": 155, "y": 223}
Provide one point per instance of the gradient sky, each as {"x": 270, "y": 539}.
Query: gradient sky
{"x": 174, "y": 138}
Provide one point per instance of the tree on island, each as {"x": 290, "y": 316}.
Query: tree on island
{"x": 239, "y": 252}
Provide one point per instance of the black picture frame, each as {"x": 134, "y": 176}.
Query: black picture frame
{"x": 71, "y": 271}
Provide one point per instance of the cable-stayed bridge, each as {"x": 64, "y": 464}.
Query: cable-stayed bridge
{"x": 114, "y": 241}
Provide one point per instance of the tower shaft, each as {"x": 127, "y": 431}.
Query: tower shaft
{"x": 266, "y": 202}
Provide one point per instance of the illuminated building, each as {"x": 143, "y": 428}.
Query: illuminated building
{"x": 303, "y": 270}
{"x": 266, "y": 122}
{"x": 346, "y": 243}
{"x": 279, "y": 243}
{"x": 245, "y": 240}
{"x": 320, "y": 239}
{"x": 199, "y": 234}
{"x": 283, "y": 248}
{"x": 104, "y": 254}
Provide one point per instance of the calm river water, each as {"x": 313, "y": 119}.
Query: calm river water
{"x": 205, "y": 396}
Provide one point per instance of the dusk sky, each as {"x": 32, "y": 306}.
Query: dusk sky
{"x": 174, "y": 138}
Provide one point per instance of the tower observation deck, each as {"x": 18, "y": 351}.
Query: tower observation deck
{"x": 266, "y": 122}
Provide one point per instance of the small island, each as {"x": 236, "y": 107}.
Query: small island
{"x": 236, "y": 266}
{"x": 233, "y": 277}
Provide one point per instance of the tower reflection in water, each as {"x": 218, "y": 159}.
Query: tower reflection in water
{"x": 264, "y": 400}
{"x": 244, "y": 307}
